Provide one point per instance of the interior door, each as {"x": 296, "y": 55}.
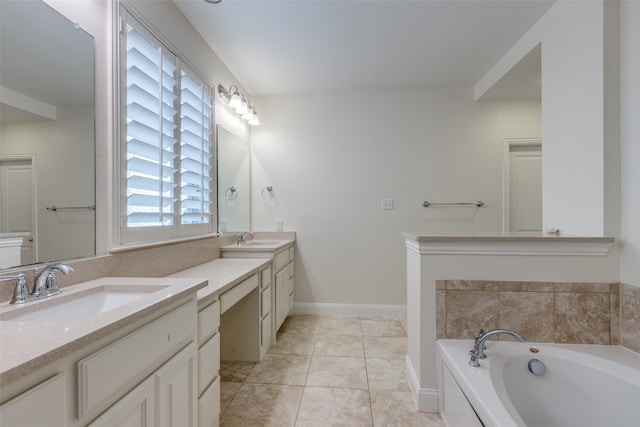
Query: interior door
{"x": 17, "y": 202}
{"x": 525, "y": 188}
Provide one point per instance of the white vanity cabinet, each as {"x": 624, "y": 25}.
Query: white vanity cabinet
{"x": 42, "y": 405}
{"x": 266, "y": 308}
{"x": 209, "y": 364}
{"x": 280, "y": 287}
{"x": 141, "y": 373}
{"x": 284, "y": 277}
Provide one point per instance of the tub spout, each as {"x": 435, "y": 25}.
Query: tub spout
{"x": 478, "y": 348}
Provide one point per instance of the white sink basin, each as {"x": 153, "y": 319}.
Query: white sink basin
{"x": 78, "y": 306}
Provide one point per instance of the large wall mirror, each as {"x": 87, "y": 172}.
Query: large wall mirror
{"x": 234, "y": 198}
{"x": 47, "y": 136}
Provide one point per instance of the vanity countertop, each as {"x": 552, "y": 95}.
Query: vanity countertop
{"x": 28, "y": 345}
{"x": 222, "y": 274}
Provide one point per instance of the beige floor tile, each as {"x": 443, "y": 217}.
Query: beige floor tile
{"x": 287, "y": 343}
{"x": 382, "y": 328}
{"x": 387, "y": 374}
{"x": 228, "y": 391}
{"x": 339, "y": 325}
{"x": 290, "y": 369}
{"x": 385, "y": 347}
{"x": 339, "y": 345}
{"x": 300, "y": 324}
{"x": 235, "y": 371}
{"x": 396, "y": 408}
{"x": 322, "y": 406}
{"x": 345, "y": 372}
{"x": 263, "y": 405}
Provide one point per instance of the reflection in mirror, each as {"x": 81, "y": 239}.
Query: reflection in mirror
{"x": 47, "y": 142}
{"x": 233, "y": 183}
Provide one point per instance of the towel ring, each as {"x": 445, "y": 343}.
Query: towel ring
{"x": 267, "y": 193}
{"x": 231, "y": 193}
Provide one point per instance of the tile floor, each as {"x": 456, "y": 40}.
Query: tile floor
{"x": 325, "y": 371}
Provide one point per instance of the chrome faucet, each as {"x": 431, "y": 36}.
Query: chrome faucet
{"x": 478, "y": 347}
{"x": 44, "y": 281}
{"x": 242, "y": 236}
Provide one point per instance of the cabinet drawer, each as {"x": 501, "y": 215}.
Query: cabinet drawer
{"x": 291, "y": 253}
{"x": 208, "y": 321}
{"x": 265, "y": 277}
{"x": 265, "y": 331}
{"x": 281, "y": 259}
{"x": 208, "y": 362}
{"x": 109, "y": 373}
{"x": 238, "y": 292}
{"x": 209, "y": 405}
{"x": 43, "y": 405}
{"x": 265, "y": 302}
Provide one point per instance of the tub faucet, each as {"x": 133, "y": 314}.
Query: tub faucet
{"x": 478, "y": 348}
{"x": 44, "y": 281}
{"x": 242, "y": 236}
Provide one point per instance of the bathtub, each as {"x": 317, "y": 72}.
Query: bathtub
{"x": 583, "y": 385}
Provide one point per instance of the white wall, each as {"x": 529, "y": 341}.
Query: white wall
{"x": 630, "y": 137}
{"x": 575, "y": 97}
{"x": 332, "y": 158}
{"x": 64, "y": 234}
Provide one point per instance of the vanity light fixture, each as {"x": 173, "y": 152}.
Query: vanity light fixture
{"x": 238, "y": 102}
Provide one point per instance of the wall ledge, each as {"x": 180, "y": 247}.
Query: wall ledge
{"x": 509, "y": 245}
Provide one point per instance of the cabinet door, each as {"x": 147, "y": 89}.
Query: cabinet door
{"x": 43, "y": 405}
{"x": 290, "y": 287}
{"x": 135, "y": 409}
{"x": 177, "y": 403}
{"x": 282, "y": 297}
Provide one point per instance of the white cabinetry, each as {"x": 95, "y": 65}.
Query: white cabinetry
{"x": 42, "y": 405}
{"x": 284, "y": 276}
{"x": 209, "y": 365}
{"x": 136, "y": 409}
{"x": 176, "y": 390}
{"x": 141, "y": 375}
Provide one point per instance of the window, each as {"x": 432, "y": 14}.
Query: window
{"x": 166, "y": 141}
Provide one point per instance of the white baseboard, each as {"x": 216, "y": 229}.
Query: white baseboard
{"x": 426, "y": 399}
{"x": 351, "y": 309}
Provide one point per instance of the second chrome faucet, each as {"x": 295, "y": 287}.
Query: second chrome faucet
{"x": 477, "y": 352}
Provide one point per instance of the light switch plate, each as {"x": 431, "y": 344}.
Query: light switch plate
{"x": 279, "y": 225}
{"x": 387, "y": 204}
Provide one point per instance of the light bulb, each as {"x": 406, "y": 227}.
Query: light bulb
{"x": 254, "y": 121}
{"x": 243, "y": 108}
{"x": 248, "y": 115}
{"x": 235, "y": 101}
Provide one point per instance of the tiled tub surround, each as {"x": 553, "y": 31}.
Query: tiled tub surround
{"x": 506, "y": 259}
{"x": 571, "y": 313}
{"x": 543, "y": 312}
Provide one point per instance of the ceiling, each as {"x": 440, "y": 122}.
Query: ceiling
{"x": 277, "y": 47}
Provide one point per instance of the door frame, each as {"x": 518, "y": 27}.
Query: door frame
{"x": 507, "y": 143}
{"x": 32, "y": 158}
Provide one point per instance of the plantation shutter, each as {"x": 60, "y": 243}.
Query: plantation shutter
{"x": 151, "y": 127}
{"x": 195, "y": 150}
{"x": 167, "y": 165}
